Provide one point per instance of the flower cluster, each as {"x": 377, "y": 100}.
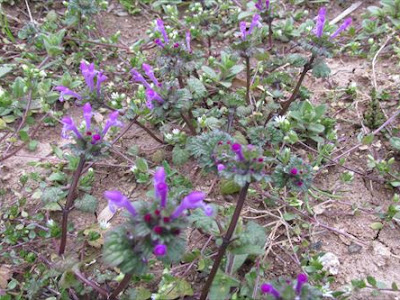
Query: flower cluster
{"x": 151, "y": 95}
{"x": 242, "y": 163}
{"x": 159, "y": 223}
{"x": 269, "y": 289}
{"x": 320, "y": 24}
{"x": 93, "y": 79}
{"x": 260, "y": 6}
{"x": 254, "y": 23}
{"x": 89, "y": 136}
{"x": 161, "y": 28}
{"x": 296, "y": 175}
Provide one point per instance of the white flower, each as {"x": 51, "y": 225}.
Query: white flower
{"x": 176, "y": 131}
{"x": 279, "y": 120}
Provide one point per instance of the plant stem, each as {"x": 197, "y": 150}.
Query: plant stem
{"x": 121, "y": 286}
{"x": 270, "y": 32}
{"x": 149, "y": 132}
{"x": 225, "y": 242}
{"x": 189, "y": 124}
{"x": 248, "y": 79}
{"x": 285, "y": 105}
{"x": 69, "y": 203}
{"x": 90, "y": 283}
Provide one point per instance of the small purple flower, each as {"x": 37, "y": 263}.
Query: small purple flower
{"x": 117, "y": 199}
{"x": 159, "y": 43}
{"x": 139, "y": 78}
{"x": 243, "y": 27}
{"x": 237, "y": 148}
{"x": 66, "y": 92}
{"x": 192, "y": 201}
{"x": 299, "y": 183}
{"x": 160, "y": 175}
{"x": 176, "y": 45}
{"x": 255, "y": 22}
{"x": 259, "y": 5}
{"x": 152, "y": 95}
{"x": 161, "y": 190}
{"x": 319, "y": 27}
{"x": 188, "y": 38}
{"x": 150, "y": 73}
{"x": 294, "y": 171}
{"x": 267, "y": 4}
{"x": 112, "y": 121}
{"x": 269, "y": 289}
{"x": 69, "y": 125}
{"x": 301, "y": 280}
{"x": 88, "y": 72}
{"x": 220, "y": 167}
{"x": 160, "y": 250}
{"x": 100, "y": 78}
{"x": 87, "y": 114}
{"x": 243, "y": 30}
{"x": 342, "y": 27}
{"x": 161, "y": 28}
{"x": 96, "y": 138}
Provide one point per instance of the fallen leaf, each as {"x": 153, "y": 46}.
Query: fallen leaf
{"x": 5, "y": 276}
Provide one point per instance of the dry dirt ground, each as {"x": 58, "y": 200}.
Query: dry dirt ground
{"x": 361, "y": 252}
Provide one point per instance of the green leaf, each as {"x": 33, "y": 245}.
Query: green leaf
{"x": 142, "y": 165}
{"x": 321, "y": 69}
{"x": 210, "y": 73}
{"x": 176, "y": 289}
{"x": 395, "y": 142}
{"x": 87, "y": 203}
{"x": 251, "y": 241}
{"x": 57, "y": 176}
{"x": 221, "y": 286}
{"x": 395, "y": 287}
{"x": 4, "y": 70}
{"x": 376, "y": 225}
{"x": 32, "y": 146}
{"x": 179, "y": 156}
{"x": 368, "y": 139}
{"x": 53, "y": 194}
{"x": 199, "y": 220}
{"x": 197, "y": 87}
{"x": 371, "y": 280}
{"x": 24, "y": 136}
{"x": 359, "y": 283}
{"x": 229, "y": 187}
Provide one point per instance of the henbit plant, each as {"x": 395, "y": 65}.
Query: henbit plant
{"x": 89, "y": 141}
{"x": 153, "y": 228}
{"x": 319, "y": 45}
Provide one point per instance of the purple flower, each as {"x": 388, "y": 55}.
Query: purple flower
{"x": 95, "y": 138}
{"x": 112, "y": 121}
{"x": 66, "y": 92}
{"x": 88, "y": 72}
{"x": 192, "y": 201}
{"x": 220, "y": 167}
{"x": 161, "y": 28}
{"x": 159, "y": 43}
{"x": 150, "y": 73}
{"x": 160, "y": 250}
{"x": 87, "y": 114}
{"x": 69, "y": 125}
{"x": 160, "y": 186}
{"x": 188, "y": 37}
{"x": 243, "y": 27}
{"x": 294, "y": 171}
{"x": 152, "y": 95}
{"x": 117, "y": 199}
{"x": 139, "y": 78}
{"x": 342, "y": 27}
{"x": 237, "y": 148}
{"x": 100, "y": 78}
{"x": 255, "y": 22}
{"x": 259, "y": 5}
{"x": 301, "y": 280}
{"x": 243, "y": 30}
{"x": 267, "y": 4}
{"x": 319, "y": 27}
{"x": 269, "y": 289}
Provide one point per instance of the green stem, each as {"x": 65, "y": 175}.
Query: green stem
{"x": 225, "y": 242}
{"x": 248, "y": 80}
